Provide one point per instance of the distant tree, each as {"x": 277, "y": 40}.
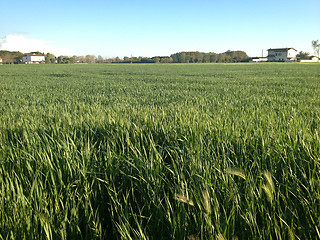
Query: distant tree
{"x": 303, "y": 55}
{"x": 239, "y": 56}
{"x": 134, "y": 59}
{"x": 183, "y": 57}
{"x": 201, "y": 57}
{"x": 166, "y": 59}
{"x": 198, "y": 57}
{"x": 206, "y": 58}
{"x": 221, "y": 58}
{"x": 236, "y": 56}
{"x": 156, "y": 59}
{"x": 37, "y": 52}
{"x": 147, "y": 60}
{"x": 73, "y": 59}
{"x": 18, "y": 59}
{"x": 99, "y": 59}
{"x": 81, "y": 59}
{"x": 66, "y": 59}
{"x": 230, "y": 53}
{"x": 175, "y": 57}
{"x": 316, "y": 47}
{"x": 61, "y": 59}
{"x": 50, "y": 58}
{"x": 90, "y": 59}
{"x": 7, "y": 57}
{"x": 11, "y": 57}
{"x": 229, "y": 59}
{"x": 213, "y": 57}
{"x": 47, "y": 58}
{"x": 77, "y": 59}
{"x": 192, "y": 57}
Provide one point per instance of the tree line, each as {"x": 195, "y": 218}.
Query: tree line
{"x": 201, "y": 57}
{"x": 15, "y": 57}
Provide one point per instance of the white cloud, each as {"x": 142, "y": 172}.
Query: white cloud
{"x": 25, "y": 45}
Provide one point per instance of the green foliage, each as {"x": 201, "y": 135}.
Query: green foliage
{"x": 10, "y": 56}
{"x": 303, "y": 55}
{"x": 182, "y": 57}
{"x": 50, "y": 58}
{"x": 162, "y": 151}
{"x": 200, "y": 57}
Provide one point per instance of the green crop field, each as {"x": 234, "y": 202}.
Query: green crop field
{"x": 160, "y": 151}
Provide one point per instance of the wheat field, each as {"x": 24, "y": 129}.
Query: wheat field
{"x": 160, "y": 151}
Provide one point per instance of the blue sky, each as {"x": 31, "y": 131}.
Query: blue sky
{"x": 153, "y": 28}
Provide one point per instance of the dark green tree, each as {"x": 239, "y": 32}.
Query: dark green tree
{"x": 303, "y": 55}
{"x": 221, "y": 58}
{"x": 213, "y": 58}
{"x": 50, "y": 58}
{"x": 206, "y": 58}
{"x": 73, "y": 59}
{"x": 183, "y": 57}
{"x": 11, "y": 57}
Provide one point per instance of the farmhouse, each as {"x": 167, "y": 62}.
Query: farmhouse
{"x": 282, "y": 55}
{"x": 0, "y": 60}
{"x": 32, "y": 58}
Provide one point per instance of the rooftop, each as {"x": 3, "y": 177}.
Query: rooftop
{"x": 280, "y": 49}
{"x": 31, "y": 54}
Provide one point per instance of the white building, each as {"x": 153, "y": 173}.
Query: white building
{"x": 282, "y": 55}
{"x": 0, "y": 60}
{"x": 311, "y": 59}
{"x": 33, "y": 58}
{"x": 259, "y": 59}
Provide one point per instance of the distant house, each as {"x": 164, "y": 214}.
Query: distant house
{"x": 282, "y": 55}
{"x": 32, "y": 58}
{"x": 259, "y": 59}
{"x": 0, "y": 60}
{"x": 310, "y": 59}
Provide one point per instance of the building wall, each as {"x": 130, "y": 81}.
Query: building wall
{"x": 260, "y": 59}
{"x": 292, "y": 53}
{"x": 37, "y": 59}
{"x": 282, "y": 55}
{"x": 314, "y": 59}
{"x": 26, "y": 58}
{"x": 273, "y": 54}
{"x": 31, "y": 59}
